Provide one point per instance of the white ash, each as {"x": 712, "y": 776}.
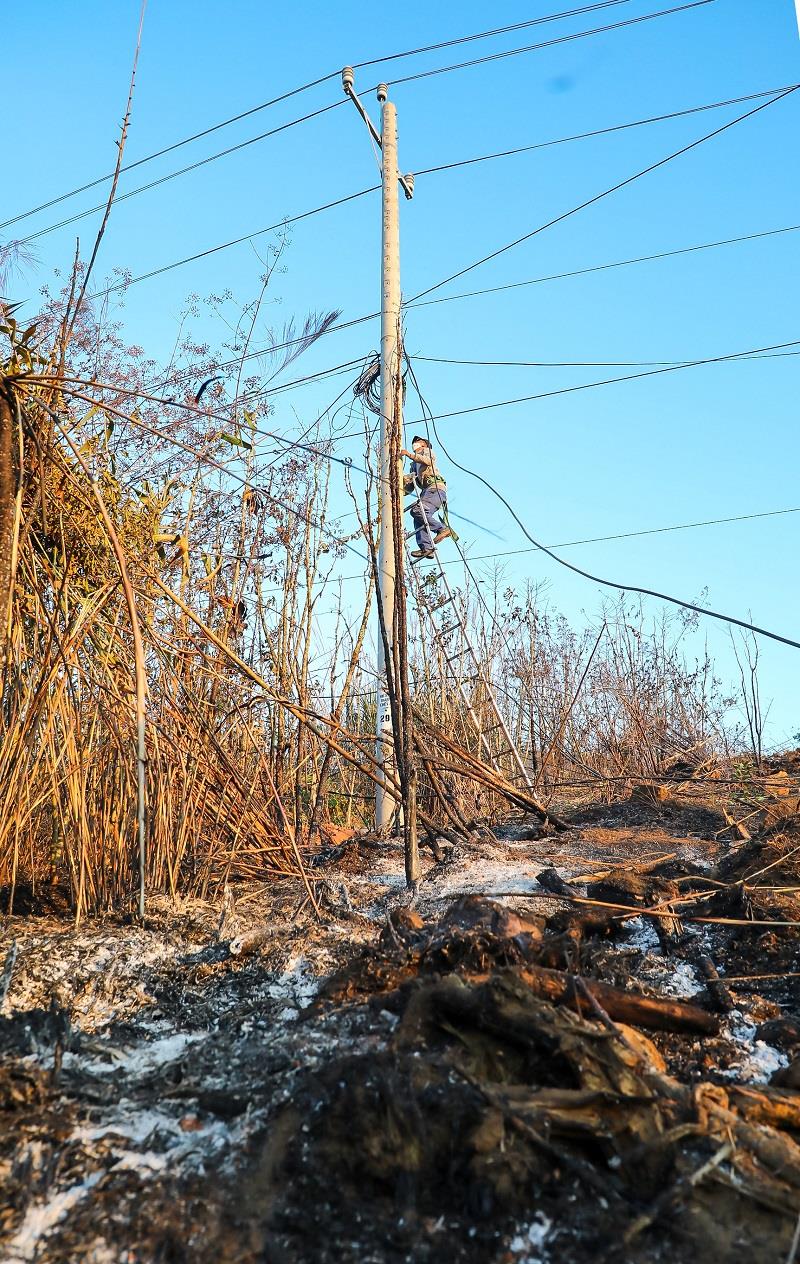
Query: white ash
{"x": 130, "y": 1122}
{"x": 757, "y": 1062}
{"x": 93, "y": 973}
{"x": 528, "y": 1243}
{"x": 99, "y": 1252}
{"x": 140, "y": 1058}
{"x": 41, "y": 1217}
{"x": 640, "y": 934}
{"x": 297, "y": 984}
{"x": 669, "y": 976}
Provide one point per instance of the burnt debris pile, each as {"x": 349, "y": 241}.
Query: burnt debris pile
{"x": 518, "y": 1086}
{"x": 605, "y": 1065}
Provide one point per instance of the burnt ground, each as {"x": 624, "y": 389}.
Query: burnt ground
{"x": 243, "y": 1082}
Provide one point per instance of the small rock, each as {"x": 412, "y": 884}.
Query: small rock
{"x": 778, "y": 784}
{"x": 760, "y": 1010}
{"x": 406, "y": 922}
{"x": 489, "y": 1134}
{"x": 649, "y": 795}
{"x": 477, "y": 913}
{"x": 783, "y": 1032}
{"x": 643, "y": 1048}
{"x": 335, "y": 835}
{"x": 781, "y": 810}
{"x": 551, "y": 880}
{"x": 788, "y": 1077}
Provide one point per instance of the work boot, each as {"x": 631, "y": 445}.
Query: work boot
{"x": 442, "y": 535}
{"x": 420, "y": 553}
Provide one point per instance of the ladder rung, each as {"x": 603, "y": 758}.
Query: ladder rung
{"x": 507, "y": 750}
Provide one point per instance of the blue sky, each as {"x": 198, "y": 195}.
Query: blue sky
{"x": 707, "y": 442}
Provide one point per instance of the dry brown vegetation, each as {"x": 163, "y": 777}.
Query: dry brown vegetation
{"x": 152, "y": 503}
{"x": 184, "y": 717}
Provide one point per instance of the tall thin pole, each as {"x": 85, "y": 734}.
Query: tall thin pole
{"x": 391, "y": 421}
{"x": 389, "y": 550}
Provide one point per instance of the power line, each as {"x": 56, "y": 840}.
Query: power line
{"x": 600, "y": 131}
{"x": 677, "y": 526}
{"x": 209, "y": 460}
{"x": 498, "y": 30}
{"x": 360, "y": 320}
{"x": 536, "y": 545}
{"x": 602, "y": 267}
{"x": 351, "y": 197}
{"x": 306, "y": 447}
{"x": 755, "y": 353}
{"x": 558, "y": 219}
{"x": 579, "y": 364}
{"x": 248, "y": 397}
{"x": 334, "y": 105}
{"x": 168, "y": 149}
{"x": 597, "y": 579}
{"x": 732, "y": 357}
{"x": 314, "y": 83}
{"x": 182, "y": 171}
{"x": 333, "y": 371}
{"x": 276, "y": 346}
{"x": 562, "y": 39}
{"x": 605, "y": 267}
{"x": 600, "y": 539}
{"x": 622, "y": 263}
{"x": 350, "y": 465}
{"x": 254, "y": 431}
{"x": 236, "y": 241}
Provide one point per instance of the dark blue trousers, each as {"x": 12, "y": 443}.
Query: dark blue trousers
{"x": 425, "y": 511}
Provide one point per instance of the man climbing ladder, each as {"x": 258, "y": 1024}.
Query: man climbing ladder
{"x": 431, "y": 502}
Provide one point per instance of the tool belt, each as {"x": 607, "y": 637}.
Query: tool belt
{"x": 427, "y": 481}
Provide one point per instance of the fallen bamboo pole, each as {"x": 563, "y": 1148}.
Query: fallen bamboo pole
{"x": 656, "y": 1013}
{"x": 629, "y": 910}
{"x": 477, "y": 770}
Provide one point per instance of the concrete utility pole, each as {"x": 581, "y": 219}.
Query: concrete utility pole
{"x": 391, "y": 415}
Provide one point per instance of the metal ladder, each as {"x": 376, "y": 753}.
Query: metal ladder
{"x": 463, "y": 668}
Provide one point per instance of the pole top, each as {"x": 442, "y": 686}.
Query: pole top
{"x": 348, "y": 79}
{"x": 383, "y": 92}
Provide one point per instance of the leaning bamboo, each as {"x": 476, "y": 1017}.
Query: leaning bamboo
{"x": 138, "y": 654}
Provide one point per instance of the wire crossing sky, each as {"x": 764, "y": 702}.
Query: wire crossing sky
{"x": 695, "y": 259}
{"x": 306, "y": 87}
